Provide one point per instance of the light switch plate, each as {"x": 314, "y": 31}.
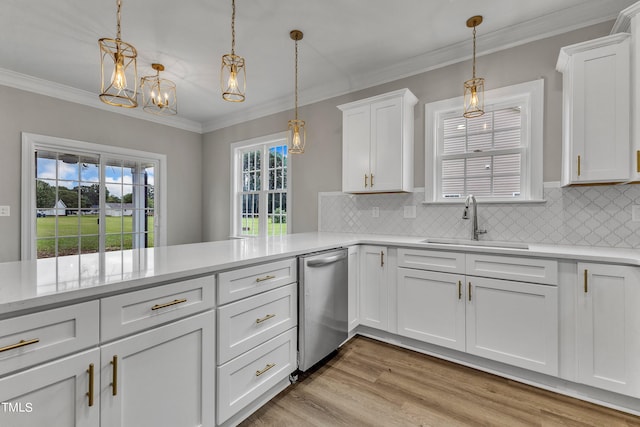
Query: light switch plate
{"x": 5, "y": 210}
{"x": 635, "y": 213}
{"x": 410, "y": 211}
{"x": 375, "y": 212}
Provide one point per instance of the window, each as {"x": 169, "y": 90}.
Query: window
{"x": 496, "y": 157}
{"x": 81, "y": 198}
{"x": 260, "y": 187}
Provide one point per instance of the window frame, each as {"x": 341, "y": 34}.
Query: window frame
{"x": 32, "y": 142}
{"x": 263, "y": 143}
{"x": 530, "y": 97}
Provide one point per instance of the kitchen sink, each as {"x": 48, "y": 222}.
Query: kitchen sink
{"x": 487, "y": 243}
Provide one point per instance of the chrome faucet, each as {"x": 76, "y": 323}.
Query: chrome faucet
{"x": 465, "y": 215}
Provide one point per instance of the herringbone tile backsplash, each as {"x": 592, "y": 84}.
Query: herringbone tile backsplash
{"x": 586, "y": 216}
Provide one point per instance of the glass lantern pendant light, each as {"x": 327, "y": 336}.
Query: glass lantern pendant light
{"x": 118, "y": 68}
{"x": 474, "y": 88}
{"x": 297, "y": 133}
{"x": 233, "y": 77}
{"x": 159, "y": 95}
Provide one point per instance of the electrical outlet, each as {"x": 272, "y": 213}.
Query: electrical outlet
{"x": 375, "y": 212}
{"x": 5, "y": 211}
{"x": 410, "y": 211}
{"x": 635, "y": 213}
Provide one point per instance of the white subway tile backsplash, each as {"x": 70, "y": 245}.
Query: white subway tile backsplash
{"x": 588, "y": 216}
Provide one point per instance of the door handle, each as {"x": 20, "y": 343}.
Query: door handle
{"x": 381, "y": 258}
{"x": 365, "y": 180}
{"x": 459, "y": 289}
{"x": 371, "y": 180}
{"x": 469, "y": 291}
{"x": 114, "y": 383}
{"x": 90, "y": 392}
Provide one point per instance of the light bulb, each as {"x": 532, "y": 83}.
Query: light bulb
{"x": 118, "y": 78}
{"x": 232, "y": 83}
{"x": 296, "y": 138}
{"x": 474, "y": 98}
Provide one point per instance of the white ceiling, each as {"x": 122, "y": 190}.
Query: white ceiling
{"x": 51, "y": 47}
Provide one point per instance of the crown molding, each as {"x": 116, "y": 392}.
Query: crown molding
{"x": 623, "y": 22}
{"x": 78, "y": 96}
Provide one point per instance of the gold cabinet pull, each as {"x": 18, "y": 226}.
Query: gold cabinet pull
{"x": 265, "y": 318}
{"x": 90, "y": 392}
{"x": 371, "y": 180}
{"x": 638, "y": 161}
{"x": 365, "y": 180}
{"x": 586, "y": 286}
{"x": 381, "y": 258}
{"x": 262, "y": 279}
{"x": 578, "y": 165}
{"x": 265, "y": 369}
{"x": 22, "y": 343}
{"x": 114, "y": 381}
{"x": 459, "y": 289}
{"x": 469, "y": 291}
{"x": 168, "y": 304}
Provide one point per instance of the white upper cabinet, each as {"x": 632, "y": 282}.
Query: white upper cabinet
{"x": 596, "y": 110}
{"x": 629, "y": 22}
{"x": 377, "y": 143}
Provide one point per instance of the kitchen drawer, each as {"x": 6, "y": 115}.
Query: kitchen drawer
{"x": 249, "y": 322}
{"x": 134, "y": 311}
{"x": 245, "y": 282}
{"x": 447, "y": 262}
{"x": 39, "y": 337}
{"x": 520, "y": 269}
{"x": 247, "y": 377}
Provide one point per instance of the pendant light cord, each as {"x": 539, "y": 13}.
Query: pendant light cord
{"x": 118, "y": 15}
{"x": 296, "y": 80}
{"x": 474, "y": 52}
{"x": 233, "y": 27}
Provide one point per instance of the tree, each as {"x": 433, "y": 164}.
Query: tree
{"x": 45, "y": 195}
{"x": 127, "y": 198}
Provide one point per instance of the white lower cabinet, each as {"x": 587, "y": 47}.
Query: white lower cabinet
{"x": 354, "y": 291}
{"x": 513, "y": 322}
{"x": 608, "y": 327}
{"x": 161, "y": 377}
{"x": 374, "y": 309}
{"x": 431, "y": 307}
{"x": 61, "y": 393}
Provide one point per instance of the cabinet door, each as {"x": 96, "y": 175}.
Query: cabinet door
{"x": 162, "y": 377}
{"x": 386, "y": 145}
{"x": 609, "y": 327}
{"x": 374, "y": 308}
{"x": 53, "y": 394}
{"x": 601, "y": 107}
{"x": 354, "y": 292}
{"x": 356, "y": 130}
{"x": 513, "y": 322}
{"x": 431, "y": 307}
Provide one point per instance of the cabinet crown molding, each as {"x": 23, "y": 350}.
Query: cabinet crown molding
{"x": 409, "y": 98}
{"x": 623, "y": 22}
{"x": 568, "y": 51}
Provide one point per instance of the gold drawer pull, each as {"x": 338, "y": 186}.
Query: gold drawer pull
{"x": 365, "y": 180}
{"x": 578, "y": 165}
{"x": 22, "y": 343}
{"x": 371, "y": 180}
{"x": 586, "y": 275}
{"x": 266, "y": 368}
{"x": 114, "y": 384}
{"x": 262, "y": 279}
{"x": 90, "y": 392}
{"x": 267, "y": 317}
{"x": 638, "y": 161}
{"x": 469, "y": 291}
{"x": 168, "y": 304}
{"x": 459, "y": 289}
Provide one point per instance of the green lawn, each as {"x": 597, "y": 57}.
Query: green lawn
{"x": 79, "y": 234}
{"x": 250, "y": 227}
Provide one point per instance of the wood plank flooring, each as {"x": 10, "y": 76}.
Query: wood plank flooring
{"x": 369, "y": 383}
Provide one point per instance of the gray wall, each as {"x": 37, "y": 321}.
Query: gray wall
{"x": 320, "y": 168}
{"x": 22, "y": 111}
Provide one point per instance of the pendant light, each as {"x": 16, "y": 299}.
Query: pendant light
{"x": 474, "y": 88}
{"x": 297, "y": 133}
{"x": 233, "y": 77}
{"x": 159, "y": 95}
{"x": 118, "y": 68}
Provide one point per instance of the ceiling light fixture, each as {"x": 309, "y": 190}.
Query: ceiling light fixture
{"x": 118, "y": 69}
{"x": 297, "y": 133}
{"x": 159, "y": 95}
{"x": 233, "y": 77}
{"x": 474, "y": 88}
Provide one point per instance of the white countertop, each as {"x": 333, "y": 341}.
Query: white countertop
{"x": 30, "y": 285}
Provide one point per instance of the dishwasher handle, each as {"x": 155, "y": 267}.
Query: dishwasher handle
{"x": 326, "y": 261}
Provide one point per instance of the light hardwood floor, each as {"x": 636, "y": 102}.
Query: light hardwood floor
{"x": 369, "y": 383}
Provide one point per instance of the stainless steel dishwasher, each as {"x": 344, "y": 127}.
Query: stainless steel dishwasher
{"x": 322, "y": 305}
